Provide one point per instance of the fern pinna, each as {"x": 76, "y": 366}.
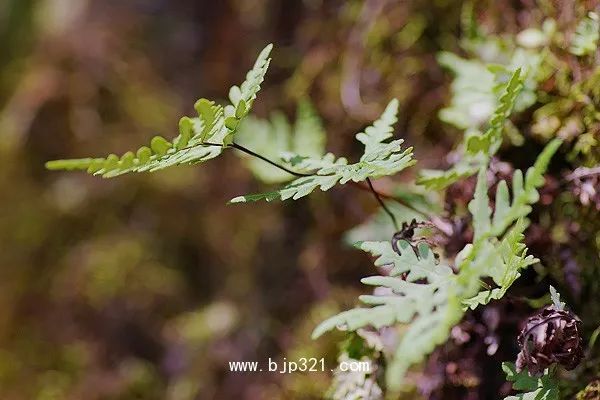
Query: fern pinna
{"x": 200, "y": 138}
{"x": 204, "y": 137}
{"x": 428, "y": 295}
{"x": 380, "y": 158}
{"x": 477, "y": 148}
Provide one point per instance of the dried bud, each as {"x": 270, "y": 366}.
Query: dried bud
{"x": 552, "y": 336}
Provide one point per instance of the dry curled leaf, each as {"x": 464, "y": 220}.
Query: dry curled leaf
{"x": 552, "y": 336}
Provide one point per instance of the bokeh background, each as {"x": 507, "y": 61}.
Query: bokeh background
{"x": 145, "y": 286}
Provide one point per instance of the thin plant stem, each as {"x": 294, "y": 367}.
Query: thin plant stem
{"x": 385, "y": 208}
{"x": 250, "y": 152}
{"x": 263, "y": 158}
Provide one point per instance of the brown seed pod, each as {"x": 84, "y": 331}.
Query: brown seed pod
{"x": 552, "y": 336}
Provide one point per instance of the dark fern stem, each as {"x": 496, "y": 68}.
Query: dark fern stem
{"x": 382, "y": 204}
{"x": 252, "y": 153}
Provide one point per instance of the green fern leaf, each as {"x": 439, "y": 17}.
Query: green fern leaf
{"x": 525, "y": 191}
{"x": 512, "y": 254}
{"x": 354, "y": 385}
{"x": 489, "y": 142}
{"x": 438, "y": 180}
{"x": 423, "y": 305}
{"x": 473, "y": 99}
{"x": 555, "y": 296}
{"x": 425, "y": 294}
{"x": 544, "y": 387}
{"x": 214, "y": 124}
{"x": 380, "y": 158}
{"x": 381, "y": 130}
{"x": 243, "y": 97}
{"x": 479, "y": 206}
{"x": 477, "y": 148}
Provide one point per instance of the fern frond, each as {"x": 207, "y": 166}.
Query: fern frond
{"x": 381, "y": 130}
{"x": 242, "y": 97}
{"x": 409, "y": 300}
{"x": 478, "y": 148}
{"x": 525, "y": 191}
{"x": 489, "y": 142}
{"x": 473, "y": 99}
{"x": 405, "y": 296}
{"x": 355, "y": 385}
{"x": 474, "y": 89}
{"x": 544, "y": 387}
{"x": 215, "y": 125}
{"x": 512, "y": 254}
{"x": 425, "y": 294}
{"x": 438, "y": 179}
{"x": 479, "y": 206}
{"x": 380, "y": 158}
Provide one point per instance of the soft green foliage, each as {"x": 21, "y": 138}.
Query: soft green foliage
{"x": 200, "y": 138}
{"x": 426, "y": 294}
{"x": 585, "y": 41}
{"x": 424, "y": 306}
{"x": 500, "y": 77}
{"x": 542, "y": 388}
{"x": 512, "y": 259}
{"x": 275, "y": 137}
{"x": 438, "y": 179}
{"x": 491, "y": 139}
{"x": 478, "y": 148}
{"x": 380, "y": 158}
{"x": 478, "y": 83}
{"x": 524, "y": 191}
{"x": 473, "y": 99}
{"x": 511, "y": 253}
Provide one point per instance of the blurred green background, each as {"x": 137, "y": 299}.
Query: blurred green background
{"x": 145, "y": 286}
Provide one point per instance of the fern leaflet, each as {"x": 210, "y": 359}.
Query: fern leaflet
{"x": 200, "y": 138}
{"x": 422, "y": 305}
{"x": 425, "y": 294}
{"x": 381, "y": 158}
{"x": 478, "y": 148}
{"x": 489, "y": 142}
{"x": 512, "y": 254}
{"x": 544, "y": 387}
{"x": 524, "y": 191}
